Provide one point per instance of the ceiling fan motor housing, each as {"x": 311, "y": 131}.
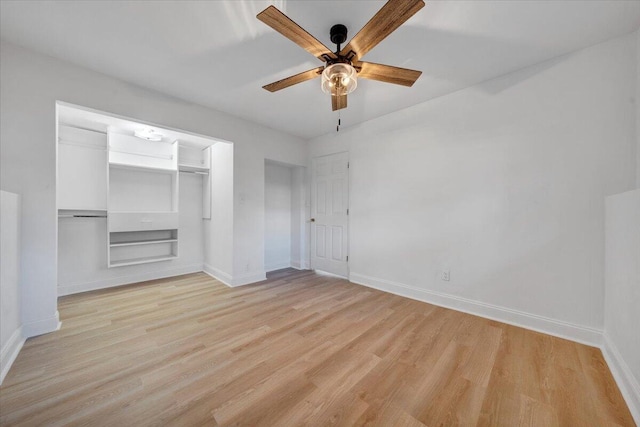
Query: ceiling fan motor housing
{"x": 338, "y": 34}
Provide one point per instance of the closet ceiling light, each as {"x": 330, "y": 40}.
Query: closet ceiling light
{"x": 149, "y": 135}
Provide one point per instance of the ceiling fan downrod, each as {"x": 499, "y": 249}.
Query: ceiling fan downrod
{"x": 338, "y": 34}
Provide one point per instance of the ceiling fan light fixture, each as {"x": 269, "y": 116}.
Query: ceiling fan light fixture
{"x": 339, "y": 78}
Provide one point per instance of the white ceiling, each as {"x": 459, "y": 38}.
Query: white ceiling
{"x": 217, "y": 54}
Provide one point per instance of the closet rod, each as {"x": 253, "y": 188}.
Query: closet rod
{"x": 82, "y": 216}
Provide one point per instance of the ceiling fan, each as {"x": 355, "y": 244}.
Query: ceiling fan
{"x": 342, "y": 67}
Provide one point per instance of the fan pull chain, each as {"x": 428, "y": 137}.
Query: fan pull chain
{"x": 338, "y": 127}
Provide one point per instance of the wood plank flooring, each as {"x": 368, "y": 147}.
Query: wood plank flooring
{"x": 298, "y": 349}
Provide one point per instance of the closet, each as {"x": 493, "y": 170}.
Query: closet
{"x": 285, "y": 213}
{"x": 119, "y": 204}
{"x": 197, "y": 161}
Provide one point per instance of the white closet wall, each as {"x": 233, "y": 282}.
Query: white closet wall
{"x": 218, "y": 231}
{"x": 286, "y": 217}
{"x": 82, "y": 172}
{"x": 277, "y": 214}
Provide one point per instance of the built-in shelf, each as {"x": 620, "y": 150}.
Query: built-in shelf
{"x": 145, "y": 260}
{"x": 141, "y": 168}
{"x": 142, "y": 153}
{"x": 139, "y": 247}
{"x": 143, "y": 201}
{"x": 143, "y": 213}
{"x": 194, "y": 169}
{"x": 81, "y": 213}
{"x": 143, "y": 242}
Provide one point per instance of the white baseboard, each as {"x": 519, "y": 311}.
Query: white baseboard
{"x": 299, "y": 265}
{"x": 43, "y": 326}
{"x": 10, "y": 351}
{"x": 234, "y": 281}
{"x": 127, "y": 279}
{"x": 327, "y": 273}
{"x": 570, "y": 331}
{"x": 249, "y": 278}
{"x": 274, "y": 267}
{"x": 219, "y": 275}
{"x": 627, "y": 382}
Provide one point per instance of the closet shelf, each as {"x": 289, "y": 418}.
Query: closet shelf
{"x": 142, "y": 153}
{"x": 144, "y": 212}
{"x": 143, "y": 242}
{"x": 141, "y": 168}
{"x": 184, "y": 167}
{"x": 145, "y": 260}
{"x": 71, "y": 213}
{"x": 81, "y": 216}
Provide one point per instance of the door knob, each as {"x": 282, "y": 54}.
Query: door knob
{"x": 312, "y": 220}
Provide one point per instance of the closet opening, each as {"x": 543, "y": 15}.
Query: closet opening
{"x": 286, "y": 228}
{"x": 134, "y": 200}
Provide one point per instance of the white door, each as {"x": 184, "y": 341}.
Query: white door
{"x": 329, "y": 213}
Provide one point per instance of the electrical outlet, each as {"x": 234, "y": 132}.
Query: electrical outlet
{"x": 446, "y": 275}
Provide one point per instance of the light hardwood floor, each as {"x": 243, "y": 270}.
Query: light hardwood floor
{"x": 299, "y": 349}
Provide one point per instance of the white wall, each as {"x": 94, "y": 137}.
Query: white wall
{"x": 503, "y": 183}
{"x": 637, "y": 102}
{"x": 300, "y": 214}
{"x": 622, "y": 299}
{"x": 277, "y": 194}
{"x": 218, "y": 238}
{"x": 31, "y": 83}
{"x": 191, "y": 227}
{"x": 11, "y": 338}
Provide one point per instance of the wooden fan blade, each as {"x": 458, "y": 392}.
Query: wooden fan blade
{"x": 338, "y": 102}
{"x": 294, "y": 32}
{"x": 387, "y": 73}
{"x": 393, "y": 14}
{"x": 292, "y": 80}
